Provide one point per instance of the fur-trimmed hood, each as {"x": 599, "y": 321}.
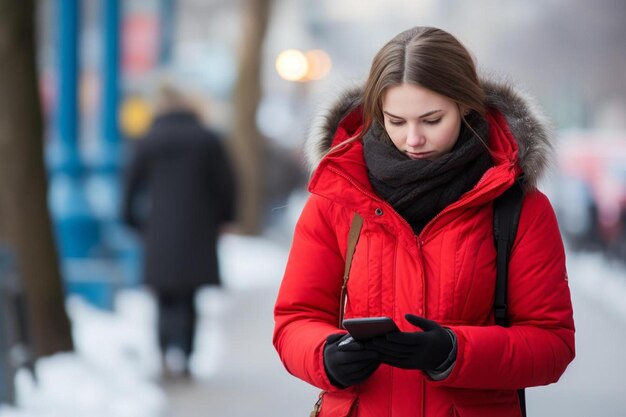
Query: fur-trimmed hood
{"x": 526, "y": 121}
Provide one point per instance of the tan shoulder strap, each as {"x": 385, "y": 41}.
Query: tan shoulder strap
{"x": 353, "y": 238}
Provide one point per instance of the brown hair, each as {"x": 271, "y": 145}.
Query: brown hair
{"x": 428, "y": 57}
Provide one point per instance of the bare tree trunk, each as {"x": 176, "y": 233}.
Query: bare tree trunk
{"x": 24, "y": 219}
{"x": 248, "y": 147}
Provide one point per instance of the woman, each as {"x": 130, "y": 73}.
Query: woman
{"x": 421, "y": 153}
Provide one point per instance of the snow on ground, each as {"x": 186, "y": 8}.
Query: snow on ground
{"x": 249, "y": 262}
{"x": 109, "y": 374}
{"x": 116, "y": 361}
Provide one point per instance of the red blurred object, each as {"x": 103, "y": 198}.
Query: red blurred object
{"x": 140, "y": 43}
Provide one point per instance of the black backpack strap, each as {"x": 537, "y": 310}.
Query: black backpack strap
{"x": 521, "y": 393}
{"x": 506, "y": 212}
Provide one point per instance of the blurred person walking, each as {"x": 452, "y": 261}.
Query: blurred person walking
{"x": 419, "y": 155}
{"x": 182, "y": 171}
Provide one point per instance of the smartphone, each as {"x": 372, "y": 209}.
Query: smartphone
{"x": 363, "y": 329}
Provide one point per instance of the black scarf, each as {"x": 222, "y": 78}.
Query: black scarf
{"x": 419, "y": 189}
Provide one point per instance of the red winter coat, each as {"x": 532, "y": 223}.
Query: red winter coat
{"x": 446, "y": 273}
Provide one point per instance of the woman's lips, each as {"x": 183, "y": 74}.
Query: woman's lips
{"x": 419, "y": 155}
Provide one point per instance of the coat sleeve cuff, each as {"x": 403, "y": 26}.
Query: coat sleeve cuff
{"x": 446, "y": 367}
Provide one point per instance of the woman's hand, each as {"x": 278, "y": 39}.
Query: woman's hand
{"x": 347, "y": 362}
{"x": 428, "y": 350}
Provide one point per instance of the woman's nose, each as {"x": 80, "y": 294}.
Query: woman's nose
{"x": 415, "y": 138}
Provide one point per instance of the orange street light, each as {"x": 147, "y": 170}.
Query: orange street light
{"x": 319, "y": 64}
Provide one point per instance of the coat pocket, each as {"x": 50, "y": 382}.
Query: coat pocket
{"x": 339, "y": 404}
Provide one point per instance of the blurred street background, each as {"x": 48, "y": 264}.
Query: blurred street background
{"x": 77, "y": 82}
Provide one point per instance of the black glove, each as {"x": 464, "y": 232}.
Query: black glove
{"x": 349, "y": 363}
{"x": 428, "y": 350}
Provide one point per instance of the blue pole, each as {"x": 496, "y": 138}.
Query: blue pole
{"x": 67, "y": 113}
{"x": 76, "y": 229}
{"x": 105, "y": 176}
{"x": 110, "y": 69}
{"x": 103, "y": 183}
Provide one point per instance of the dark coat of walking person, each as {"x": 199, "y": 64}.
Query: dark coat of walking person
{"x": 181, "y": 168}
{"x": 420, "y": 153}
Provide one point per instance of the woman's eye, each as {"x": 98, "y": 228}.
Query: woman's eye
{"x": 396, "y": 122}
{"x": 432, "y": 122}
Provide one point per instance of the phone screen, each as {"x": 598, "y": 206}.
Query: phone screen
{"x": 363, "y": 329}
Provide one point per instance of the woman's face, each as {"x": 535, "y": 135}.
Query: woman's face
{"x": 421, "y": 123}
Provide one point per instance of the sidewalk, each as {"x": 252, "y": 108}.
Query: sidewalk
{"x": 249, "y": 379}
